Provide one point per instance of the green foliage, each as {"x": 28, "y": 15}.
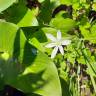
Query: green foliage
{"x": 39, "y": 75}
{"x": 25, "y": 62}
{"x": 63, "y": 24}
{"x": 5, "y": 4}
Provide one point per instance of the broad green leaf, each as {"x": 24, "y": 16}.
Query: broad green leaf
{"x": 7, "y": 33}
{"x": 36, "y": 74}
{"x": 28, "y": 70}
{"x": 4, "y": 4}
{"x": 29, "y": 19}
{"x": 21, "y": 15}
{"x": 37, "y": 44}
{"x": 34, "y": 34}
{"x": 63, "y": 24}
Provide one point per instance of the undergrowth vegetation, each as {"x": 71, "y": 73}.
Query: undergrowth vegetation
{"x": 48, "y": 47}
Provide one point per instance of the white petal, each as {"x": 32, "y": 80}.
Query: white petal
{"x": 50, "y": 45}
{"x": 51, "y": 37}
{"x": 61, "y": 50}
{"x": 54, "y": 52}
{"x": 66, "y": 42}
{"x": 58, "y": 35}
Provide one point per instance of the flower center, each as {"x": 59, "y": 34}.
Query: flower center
{"x": 58, "y": 43}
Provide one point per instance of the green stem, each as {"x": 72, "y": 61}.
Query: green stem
{"x": 78, "y": 81}
{"x": 93, "y": 82}
{"x": 89, "y": 69}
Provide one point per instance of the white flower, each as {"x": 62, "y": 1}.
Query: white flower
{"x": 57, "y": 43}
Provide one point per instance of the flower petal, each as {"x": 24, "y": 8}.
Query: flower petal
{"x": 61, "y": 50}
{"x": 51, "y": 37}
{"x": 54, "y": 52}
{"x": 50, "y": 45}
{"x": 58, "y": 35}
{"x": 66, "y": 42}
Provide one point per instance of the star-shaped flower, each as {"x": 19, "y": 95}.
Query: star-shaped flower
{"x": 57, "y": 43}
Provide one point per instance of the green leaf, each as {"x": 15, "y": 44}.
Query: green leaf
{"x": 68, "y": 2}
{"x": 63, "y": 24}
{"x": 94, "y": 0}
{"x": 1, "y": 83}
{"x": 37, "y": 44}
{"x": 46, "y": 11}
{"x": 89, "y": 34}
{"x": 4, "y": 4}
{"x": 21, "y": 15}
{"x": 29, "y": 69}
{"x": 34, "y": 34}
{"x": 81, "y": 60}
{"x": 94, "y": 6}
{"x": 37, "y": 74}
{"x": 7, "y": 33}
{"x": 29, "y": 19}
